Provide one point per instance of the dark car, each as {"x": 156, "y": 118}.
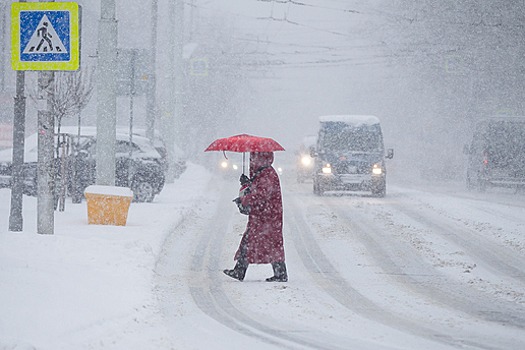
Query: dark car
{"x": 138, "y": 165}
{"x": 496, "y": 154}
{"x": 349, "y": 155}
{"x": 179, "y": 159}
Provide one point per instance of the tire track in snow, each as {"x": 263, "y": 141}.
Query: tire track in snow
{"x": 328, "y": 279}
{"x": 423, "y": 276}
{"x": 495, "y": 257}
{"x": 502, "y": 262}
{"x": 495, "y": 212}
{"x": 203, "y": 287}
{"x": 211, "y": 298}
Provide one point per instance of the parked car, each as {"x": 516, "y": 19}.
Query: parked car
{"x": 496, "y": 153}
{"x": 349, "y": 155}
{"x": 138, "y": 165}
{"x": 29, "y": 176}
{"x": 179, "y": 158}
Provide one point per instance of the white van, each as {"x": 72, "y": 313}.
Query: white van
{"x": 350, "y": 155}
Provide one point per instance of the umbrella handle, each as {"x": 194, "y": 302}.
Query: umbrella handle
{"x": 243, "y": 155}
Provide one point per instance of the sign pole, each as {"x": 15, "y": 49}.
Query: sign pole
{"x": 16, "y": 220}
{"x": 44, "y": 37}
{"x": 45, "y": 166}
{"x": 46, "y": 159}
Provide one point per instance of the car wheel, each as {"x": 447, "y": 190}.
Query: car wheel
{"x": 482, "y": 186}
{"x": 318, "y": 189}
{"x": 470, "y": 184}
{"x": 379, "y": 190}
{"x": 143, "y": 191}
{"x": 474, "y": 182}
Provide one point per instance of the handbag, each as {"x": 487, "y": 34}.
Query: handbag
{"x": 244, "y": 190}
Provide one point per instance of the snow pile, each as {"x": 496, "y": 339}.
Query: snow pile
{"x": 61, "y": 290}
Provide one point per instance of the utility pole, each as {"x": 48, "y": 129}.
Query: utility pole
{"x": 179, "y": 74}
{"x": 176, "y": 30}
{"x": 106, "y": 94}
{"x": 46, "y": 159}
{"x": 152, "y": 76}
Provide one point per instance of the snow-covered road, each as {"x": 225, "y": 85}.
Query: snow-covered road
{"x": 427, "y": 267}
{"x": 419, "y": 269}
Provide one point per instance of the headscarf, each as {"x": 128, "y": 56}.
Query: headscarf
{"x": 259, "y": 160}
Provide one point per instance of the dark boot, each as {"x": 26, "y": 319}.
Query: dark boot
{"x": 238, "y": 272}
{"x": 279, "y": 273}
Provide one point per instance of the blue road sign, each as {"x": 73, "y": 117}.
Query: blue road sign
{"x": 45, "y": 36}
{"x": 37, "y": 36}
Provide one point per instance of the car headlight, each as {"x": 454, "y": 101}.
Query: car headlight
{"x": 235, "y": 167}
{"x": 306, "y": 160}
{"x": 377, "y": 170}
{"x": 224, "y": 164}
{"x": 327, "y": 169}
{"x": 280, "y": 170}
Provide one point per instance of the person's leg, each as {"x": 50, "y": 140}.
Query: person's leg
{"x": 279, "y": 272}
{"x": 239, "y": 271}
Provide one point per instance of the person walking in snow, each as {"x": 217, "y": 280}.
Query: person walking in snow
{"x": 262, "y": 241}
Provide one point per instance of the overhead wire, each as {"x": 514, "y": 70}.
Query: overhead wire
{"x": 271, "y": 18}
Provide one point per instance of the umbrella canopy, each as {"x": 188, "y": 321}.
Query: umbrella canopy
{"x": 245, "y": 143}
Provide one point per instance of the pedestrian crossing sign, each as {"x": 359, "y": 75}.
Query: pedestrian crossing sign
{"x": 45, "y": 36}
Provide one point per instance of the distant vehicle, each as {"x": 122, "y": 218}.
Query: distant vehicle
{"x": 304, "y": 166}
{"x": 350, "y": 155}
{"x": 496, "y": 154}
{"x": 139, "y": 167}
{"x": 232, "y": 166}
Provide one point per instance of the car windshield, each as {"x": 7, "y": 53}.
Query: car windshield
{"x": 342, "y": 137}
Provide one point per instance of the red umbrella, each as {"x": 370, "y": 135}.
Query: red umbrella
{"x": 245, "y": 143}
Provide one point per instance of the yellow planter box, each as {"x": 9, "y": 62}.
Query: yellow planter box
{"x": 108, "y": 205}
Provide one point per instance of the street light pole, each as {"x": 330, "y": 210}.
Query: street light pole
{"x": 106, "y": 94}
{"x": 176, "y": 28}
{"x": 152, "y": 80}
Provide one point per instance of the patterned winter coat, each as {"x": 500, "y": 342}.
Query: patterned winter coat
{"x": 264, "y": 233}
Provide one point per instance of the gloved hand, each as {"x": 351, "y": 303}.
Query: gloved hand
{"x": 244, "y": 179}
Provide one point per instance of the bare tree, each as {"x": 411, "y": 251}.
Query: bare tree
{"x": 71, "y": 93}
{"x": 68, "y": 96}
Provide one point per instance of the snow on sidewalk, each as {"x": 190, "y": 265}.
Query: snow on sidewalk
{"x": 84, "y": 282}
